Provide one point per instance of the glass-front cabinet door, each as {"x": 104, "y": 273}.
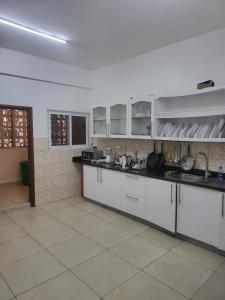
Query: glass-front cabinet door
{"x": 99, "y": 121}
{"x": 141, "y": 119}
{"x": 118, "y": 120}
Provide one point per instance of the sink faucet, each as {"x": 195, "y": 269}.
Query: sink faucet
{"x": 206, "y": 162}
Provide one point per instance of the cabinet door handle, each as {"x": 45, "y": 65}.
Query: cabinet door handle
{"x": 101, "y": 175}
{"x": 97, "y": 174}
{"x": 132, "y": 177}
{"x": 132, "y": 198}
{"x": 222, "y": 205}
{"x": 178, "y": 193}
{"x": 171, "y": 194}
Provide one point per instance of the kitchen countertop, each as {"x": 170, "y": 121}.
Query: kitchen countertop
{"x": 212, "y": 183}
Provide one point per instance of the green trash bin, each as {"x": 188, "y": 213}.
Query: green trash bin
{"x": 24, "y": 172}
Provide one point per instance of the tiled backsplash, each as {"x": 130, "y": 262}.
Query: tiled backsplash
{"x": 214, "y": 151}
{"x": 56, "y": 176}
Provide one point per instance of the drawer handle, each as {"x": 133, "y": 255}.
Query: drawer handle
{"x": 132, "y": 198}
{"x": 132, "y": 177}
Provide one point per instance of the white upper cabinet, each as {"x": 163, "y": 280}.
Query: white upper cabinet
{"x": 118, "y": 120}
{"x": 197, "y": 116}
{"x": 99, "y": 121}
{"x": 141, "y": 117}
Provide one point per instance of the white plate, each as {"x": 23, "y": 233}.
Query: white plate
{"x": 172, "y": 130}
{"x": 222, "y": 133}
{"x": 213, "y": 132}
{"x": 219, "y": 127}
{"x": 198, "y": 132}
{"x": 161, "y": 127}
{"x": 177, "y": 131}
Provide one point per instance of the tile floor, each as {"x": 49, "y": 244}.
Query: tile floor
{"x": 74, "y": 249}
{"x": 13, "y": 195}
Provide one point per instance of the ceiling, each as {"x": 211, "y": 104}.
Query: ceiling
{"x": 103, "y": 32}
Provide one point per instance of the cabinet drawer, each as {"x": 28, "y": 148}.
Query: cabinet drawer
{"x": 133, "y": 184}
{"x": 133, "y": 204}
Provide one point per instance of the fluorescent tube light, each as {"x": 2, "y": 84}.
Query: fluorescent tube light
{"x": 34, "y": 31}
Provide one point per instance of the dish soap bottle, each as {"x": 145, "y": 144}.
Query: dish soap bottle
{"x": 220, "y": 174}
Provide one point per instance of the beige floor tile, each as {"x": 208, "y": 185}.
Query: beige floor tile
{"x": 199, "y": 255}
{"x": 63, "y": 287}
{"x": 17, "y": 248}
{"x": 213, "y": 289}
{"x": 86, "y": 205}
{"x": 50, "y": 207}
{"x": 104, "y": 272}
{"x": 9, "y": 232}
{"x": 37, "y": 223}
{"x": 160, "y": 238}
{"x": 26, "y": 213}
{"x": 109, "y": 235}
{"x": 67, "y": 213}
{"x": 179, "y": 273}
{"x": 75, "y": 250}
{"x": 5, "y": 293}
{"x": 5, "y": 203}
{"x": 138, "y": 251}
{"x": 130, "y": 225}
{"x": 74, "y": 200}
{"x": 53, "y": 235}
{"x": 28, "y": 272}
{"x": 221, "y": 269}
{"x": 143, "y": 287}
{"x": 5, "y": 220}
{"x": 106, "y": 214}
{"x": 86, "y": 223}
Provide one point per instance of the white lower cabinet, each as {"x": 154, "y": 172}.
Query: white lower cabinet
{"x": 161, "y": 203}
{"x": 92, "y": 183}
{"x": 102, "y": 185}
{"x": 198, "y": 211}
{"x": 110, "y": 181}
{"x": 221, "y": 237}
{"x": 133, "y": 195}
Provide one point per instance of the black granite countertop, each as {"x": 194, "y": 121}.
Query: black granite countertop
{"x": 212, "y": 183}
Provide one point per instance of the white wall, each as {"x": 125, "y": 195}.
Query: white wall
{"x": 40, "y": 95}
{"x": 171, "y": 69}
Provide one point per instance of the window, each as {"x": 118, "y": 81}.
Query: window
{"x": 13, "y": 128}
{"x": 68, "y": 129}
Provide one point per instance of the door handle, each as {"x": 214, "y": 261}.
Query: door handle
{"x": 171, "y": 194}
{"x": 222, "y": 205}
{"x": 97, "y": 174}
{"x": 101, "y": 175}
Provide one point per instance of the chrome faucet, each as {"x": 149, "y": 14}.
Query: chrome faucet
{"x": 206, "y": 163}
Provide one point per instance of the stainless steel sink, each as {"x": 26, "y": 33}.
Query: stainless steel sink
{"x": 189, "y": 177}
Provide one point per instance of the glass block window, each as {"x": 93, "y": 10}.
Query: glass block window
{"x": 13, "y": 128}
{"x": 59, "y": 130}
{"x": 68, "y": 129}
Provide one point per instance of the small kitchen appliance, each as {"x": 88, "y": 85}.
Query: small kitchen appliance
{"x": 108, "y": 155}
{"x": 92, "y": 154}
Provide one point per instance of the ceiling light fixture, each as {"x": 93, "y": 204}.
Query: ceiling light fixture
{"x": 34, "y": 31}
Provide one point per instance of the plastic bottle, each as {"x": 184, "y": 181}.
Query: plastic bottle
{"x": 220, "y": 173}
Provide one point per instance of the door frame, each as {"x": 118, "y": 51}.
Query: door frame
{"x": 30, "y": 148}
